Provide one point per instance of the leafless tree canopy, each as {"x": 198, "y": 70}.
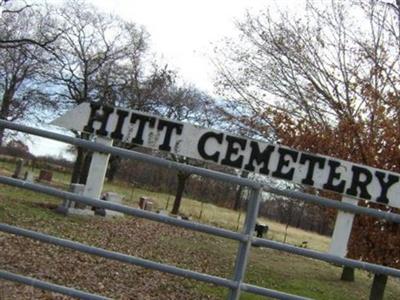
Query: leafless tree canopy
{"x": 327, "y": 82}
{"x": 316, "y": 67}
{"x": 23, "y": 35}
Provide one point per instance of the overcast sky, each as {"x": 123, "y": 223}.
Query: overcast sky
{"x": 183, "y": 33}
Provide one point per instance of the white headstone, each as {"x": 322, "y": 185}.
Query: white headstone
{"x": 113, "y": 197}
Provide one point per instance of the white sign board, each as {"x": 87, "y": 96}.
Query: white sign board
{"x": 318, "y": 171}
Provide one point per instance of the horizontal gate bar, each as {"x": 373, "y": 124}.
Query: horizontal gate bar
{"x": 132, "y": 155}
{"x": 123, "y": 209}
{"x": 49, "y": 286}
{"x": 139, "y": 261}
{"x": 347, "y": 207}
{"x": 374, "y": 268}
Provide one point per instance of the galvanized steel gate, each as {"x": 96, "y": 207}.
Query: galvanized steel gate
{"x": 245, "y": 239}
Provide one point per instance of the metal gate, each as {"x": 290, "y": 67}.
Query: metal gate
{"x": 245, "y": 238}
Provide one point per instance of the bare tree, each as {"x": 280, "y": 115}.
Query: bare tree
{"x": 87, "y": 55}
{"x": 44, "y": 34}
{"x": 91, "y": 40}
{"x": 133, "y": 89}
{"x": 312, "y": 68}
{"x": 187, "y": 104}
{"x": 136, "y": 81}
{"x": 321, "y": 82}
{"x": 22, "y": 91}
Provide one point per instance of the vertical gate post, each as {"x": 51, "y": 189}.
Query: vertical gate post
{"x": 244, "y": 247}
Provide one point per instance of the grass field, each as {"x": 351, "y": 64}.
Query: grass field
{"x": 199, "y": 252}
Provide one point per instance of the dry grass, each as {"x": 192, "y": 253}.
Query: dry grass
{"x": 209, "y": 213}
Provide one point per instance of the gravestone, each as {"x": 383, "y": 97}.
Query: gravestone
{"x": 18, "y": 168}
{"x": 28, "y": 176}
{"x": 79, "y": 189}
{"x": 142, "y": 202}
{"x": 45, "y": 175}
{"x": 146, "y": 203}
{"x": 163, "y": 212}
{"x": 113, "y": 197}
{"x": 110, "y": 197}
{"x": 67, "y": 204}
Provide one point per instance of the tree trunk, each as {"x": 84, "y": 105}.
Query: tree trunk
{"x": 114, "y": 164}
{"x": 78, "y": 168}
{"x": 300, "y": 217}
{"x": 182, "y": 177}
{"x": 5, "y": 110}
{"x": 85, "y": 167}
{"x": 347, "y": 274}
{"x": 1, "y": 136}
{"x": 238, "y": 196}
{"x": 378, "y": 287}
{"x": 76, "y": 171}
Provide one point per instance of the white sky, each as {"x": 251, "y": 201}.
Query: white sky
{"x": 182, "y": 35}
{"x": 183, "y": 31}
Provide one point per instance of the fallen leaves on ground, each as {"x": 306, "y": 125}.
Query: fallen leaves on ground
{"x": 137, "y": 237}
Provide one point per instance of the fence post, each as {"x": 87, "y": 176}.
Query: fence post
{"x": 244, "y": 247}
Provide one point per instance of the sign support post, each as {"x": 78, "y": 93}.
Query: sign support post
{"x": 342, "y": 231}
{"x": 97, "y": 170}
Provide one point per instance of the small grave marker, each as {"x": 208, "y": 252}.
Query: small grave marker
{"x": 148, "y": 206}
{"x": 18, "y": 168}
{"x": 28, "y": 176}
{"x": 45, "y": 175}
{"x": 67, "y": 205}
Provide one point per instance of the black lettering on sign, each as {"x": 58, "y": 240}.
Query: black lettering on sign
{"x": 95, "y": 115}
{"x": 232, "y": 149}
{"x": 202, "y": 143}
{"x": 259, "y": 158}
{"x": 94, "y": 107}
{"x": 333, "y": 175}
{"x": 117, "y": 133}
{"x": 360, "y": 185}
{"x": 385, "y": 185}
{"x": 138, "y": 139}
{"x": 283, "y": 162}
{"x": 312, "y": 162}
{"x": 170, "y": 127}
{"x": 280, "y": 162}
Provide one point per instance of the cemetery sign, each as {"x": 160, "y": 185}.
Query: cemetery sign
{"x": 318, "y": 171}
